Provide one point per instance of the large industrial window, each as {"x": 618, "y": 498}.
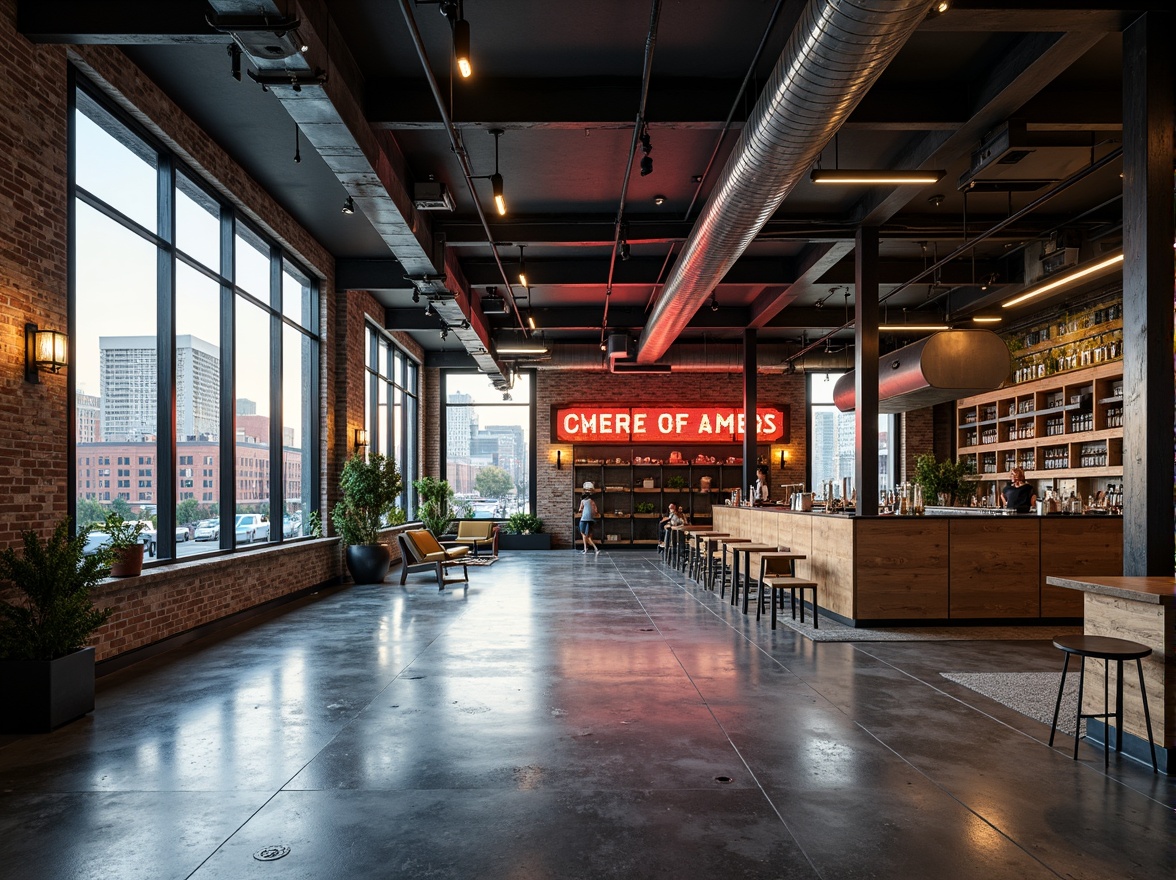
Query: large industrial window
{"x": 196, "y": 352}
{"x": 488, "y": 444}
{"x": 831, "y": 441}
{"x": 392, "y": 408}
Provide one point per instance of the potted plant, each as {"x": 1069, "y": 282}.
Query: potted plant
{"x": 944, "y": 482}
{"x": 126, "y": 545}
{"x": 46, "y": 673}
{"x": 369, "y": 490}
{"x": 435, "y": 497}
{"x": 524, "y": 531}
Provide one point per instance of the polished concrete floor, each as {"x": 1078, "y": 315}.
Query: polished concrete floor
{"x": 566, "y": 717}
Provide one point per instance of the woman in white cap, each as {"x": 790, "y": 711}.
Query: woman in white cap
{"x": 588, "y": 515}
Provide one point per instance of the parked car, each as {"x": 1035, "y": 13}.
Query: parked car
{"x": 251, "y": 527}
{"x": 150, "y": 538}
{"x": 291, "y": 525}
{"x": 207, "y": 530}
{"x": 181, "y": 534}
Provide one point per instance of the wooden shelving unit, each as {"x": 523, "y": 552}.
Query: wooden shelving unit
{"x": 1065, "y": 426}
{"x": 619, "y": 477}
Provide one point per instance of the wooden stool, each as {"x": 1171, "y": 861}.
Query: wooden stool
{"x": 1106, "y": 649}
{"x": 793, "y": 585}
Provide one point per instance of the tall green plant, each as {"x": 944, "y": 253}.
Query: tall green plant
{"x": 945, "y": 477}
{"x": 434, "y": 510}
{"x": 369, "y": 490}
{"x": 56, "y": 614}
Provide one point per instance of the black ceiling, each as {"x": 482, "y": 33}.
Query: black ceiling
{"x": 563, "y": 81}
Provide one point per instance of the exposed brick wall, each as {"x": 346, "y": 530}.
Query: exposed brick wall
{"x": 34, "y": 443}
{"x": 33, "y": 279}
{"x": 554, "y": 488}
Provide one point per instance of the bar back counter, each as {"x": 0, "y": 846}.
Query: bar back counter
{"x": 875, "y": 570}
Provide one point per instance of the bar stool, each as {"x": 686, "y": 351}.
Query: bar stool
{"x": 724, "y": 545}
{"x": 694, "y": 562}
{"x": 1106, "y": 649}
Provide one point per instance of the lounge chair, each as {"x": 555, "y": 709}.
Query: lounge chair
{"x": 421, "y": 551}
{"x": 477, "y": 534}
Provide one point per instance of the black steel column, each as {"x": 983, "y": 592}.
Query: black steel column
{"x": 749, "y": 406}
{"x": 1147, "y": 296}
{"x": 865, "y": 366}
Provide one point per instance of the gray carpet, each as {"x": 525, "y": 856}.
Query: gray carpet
{"x": 1030, "y": 693}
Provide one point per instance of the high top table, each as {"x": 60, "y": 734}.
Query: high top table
{"x": 1139, "y": 609}
{"x": 744, "y": 550}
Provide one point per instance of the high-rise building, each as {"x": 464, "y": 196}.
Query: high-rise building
{"x": 88, "y": 411}
{"x": 459, "y": 424}
{"x": 127, "y": 382}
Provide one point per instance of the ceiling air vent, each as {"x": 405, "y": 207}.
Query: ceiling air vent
{"x": 492, "y": 304}
{"x": 431, "y": 195}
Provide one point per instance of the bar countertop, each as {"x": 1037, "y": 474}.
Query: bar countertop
{"x": 1156, "y": 590}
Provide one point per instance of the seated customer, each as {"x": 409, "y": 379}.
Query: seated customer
{"x": 1018, "y": 495}
{"x": 673, "y": 517}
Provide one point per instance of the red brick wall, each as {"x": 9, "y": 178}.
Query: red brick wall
{"x": 33, "y": 279}
{"x": 34, "y": 443}
{"x": 554, "y": 489}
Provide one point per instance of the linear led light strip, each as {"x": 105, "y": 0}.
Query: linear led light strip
{"x": 522, "y": 349}
{"x": 913, "y": 328}
{"x": 1065, "y": 279}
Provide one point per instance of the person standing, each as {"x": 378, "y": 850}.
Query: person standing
{"x": 762, "y": 492}
{"x": 1018, "y": 495}
{"x": 589, "y": 513}
{"x": 673, "y": 517}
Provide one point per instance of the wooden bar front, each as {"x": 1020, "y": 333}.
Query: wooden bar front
{"x": 928, "y": 569}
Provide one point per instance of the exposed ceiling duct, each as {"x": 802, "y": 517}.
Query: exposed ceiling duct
{"x": 938, "y": 368}
{"x": 699, "y": 358}
{"x": 835, "y": 54}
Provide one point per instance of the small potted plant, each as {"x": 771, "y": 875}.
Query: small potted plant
{"x": 524, "y": 531}
{"x": 46, "y": 670}
{"x": 126, "y": 545}
{"x": 370, "y": 489}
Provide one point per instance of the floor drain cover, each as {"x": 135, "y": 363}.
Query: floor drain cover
{"x": 647, "y": 629}
{"x": 272, "y": 853}
{"x": 723, "y": 779}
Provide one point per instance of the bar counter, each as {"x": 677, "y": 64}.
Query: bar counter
{"x": 876, "y": 570}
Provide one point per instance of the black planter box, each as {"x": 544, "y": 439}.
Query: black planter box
{"x": 537, "y": 541}
{"x": 40, "y": 695}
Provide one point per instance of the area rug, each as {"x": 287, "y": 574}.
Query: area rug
{"x": 1030, "y": 693}
{"x": 480, "y": 560}
{"x": 833, "y": 631}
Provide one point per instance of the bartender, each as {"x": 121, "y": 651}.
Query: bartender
{"x": 760, "y": 494}
{"x": 1018, "y": 495}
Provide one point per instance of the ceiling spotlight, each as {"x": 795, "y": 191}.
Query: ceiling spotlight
{"x": 496, "y": 178}
{"x": 625, "y": 253}
{"x": 941, "y": 6}
{"x": 429, "y": 309}
{"x": 531, "y": 322}
{"x": 659, "y": 200}
{"x": 714, "y": 303}
{"x": 416, "y": 296}
{"x": 646, "y": 148}
{"x": 444, "y": 333}
{"x": 464, "y": 325}
{"x": 454, "y": 11}
{"x": 349, "y": 206}
{"x": 603, "y": 345}
{"x": 522, "y": 268}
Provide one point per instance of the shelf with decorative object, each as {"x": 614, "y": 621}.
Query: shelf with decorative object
{"x": 1068, "y": 426}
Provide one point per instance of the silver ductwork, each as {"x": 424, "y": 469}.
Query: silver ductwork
{"x": 946, "y": 366}
{"x": 834, "y": 55}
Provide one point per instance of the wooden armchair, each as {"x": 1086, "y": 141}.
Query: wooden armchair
{"x": 420, "y": 551}
{"x": 476, "y": 534}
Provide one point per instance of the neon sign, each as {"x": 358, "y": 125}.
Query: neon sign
{"x": 656, "y": 424}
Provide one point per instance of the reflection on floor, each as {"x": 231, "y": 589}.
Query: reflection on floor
{"x": 567, "y": 717}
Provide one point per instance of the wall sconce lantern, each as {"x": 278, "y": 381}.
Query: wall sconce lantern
{"x": 783, "y": 457}
{"x": 44, "y": 350}
{"x": 559, "y": 459}
{"x": 361, "y": 440}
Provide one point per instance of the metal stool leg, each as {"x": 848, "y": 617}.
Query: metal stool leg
{"x": 1058, "y": 705}
{"x": 1147, "y": 715}
{"x": 1078, "y": 714}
